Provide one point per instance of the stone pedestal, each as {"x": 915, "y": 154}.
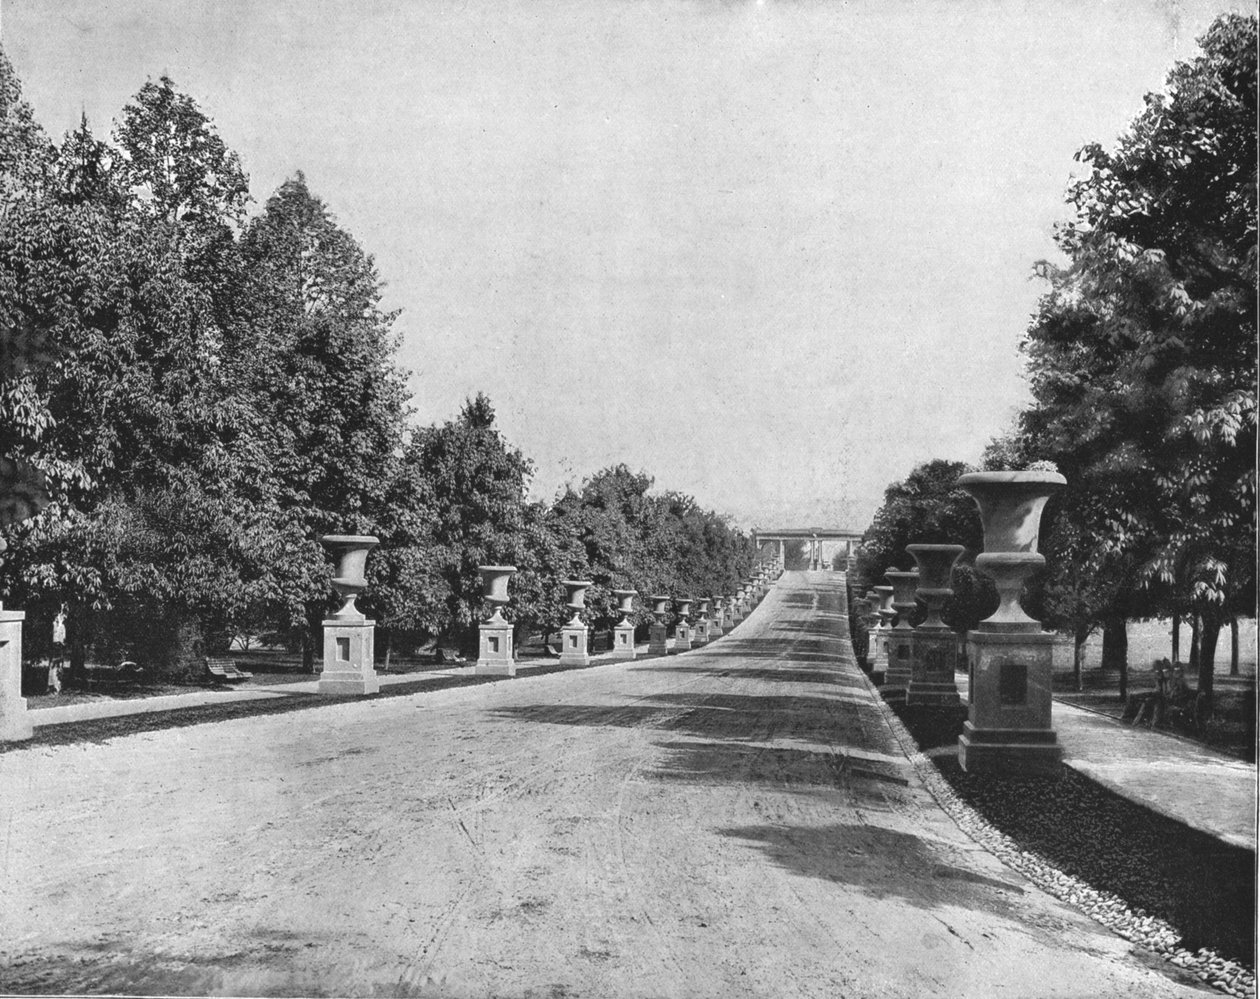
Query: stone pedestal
{"x": 349, "y": 638}
{"x": 1008, "y": 728}
{"x": 700, "y": 636}
{"x": 934, "y": 655}
{"x": 574, "y": 645}
{"x": 682, "y": 637}
{"x": 716, "y": 630}
{"x": 494, "y": 649}
{"x": 900, "y": 651}
{"x": 658, "y": 644}
{"x": 623, "y": 642}
{"x": 934, "y": 648}
{"x": 15, "y": 720}
{"x": 348, "y": 657}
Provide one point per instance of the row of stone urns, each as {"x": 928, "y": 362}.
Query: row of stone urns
{"x": 494, "y": 579}
{"x": 350, "y": 552}
{"x": 1010, "y": 506}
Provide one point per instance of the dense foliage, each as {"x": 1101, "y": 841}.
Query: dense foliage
{"x": 191, "y": 396}
{"x": 1142, "y": 360}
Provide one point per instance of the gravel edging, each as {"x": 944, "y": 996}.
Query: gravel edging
{"x": 1105, "y": 908}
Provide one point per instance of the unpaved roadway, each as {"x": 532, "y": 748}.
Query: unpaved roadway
{"x": 737, "y": 821}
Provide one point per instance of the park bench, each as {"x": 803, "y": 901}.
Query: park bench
{"x": 225, "y": 671}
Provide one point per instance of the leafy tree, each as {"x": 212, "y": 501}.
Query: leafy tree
{"x": 1142, "y": 353}
{"x": 309, "y": 345}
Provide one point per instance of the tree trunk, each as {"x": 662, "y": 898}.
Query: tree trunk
{"x": 1115, "y": 642}
{"x": 76, "y": 643}
{"x": 1209, "y": 634}
{"x": 389, "y": 646}
{"x": 1079, "y": 636}
{"x": 1176, "y": 638}
{"x": 1233, "y": 645}
{"x": 312, "y": 636}
{"x": 1195, "y": 635}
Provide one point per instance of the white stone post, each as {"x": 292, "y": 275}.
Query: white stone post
{"x": 682, "y": 630}
{"x": 349, "y": 637}
{"x": 623, "y": 633}
{"x": 15, "y": 720}
{"x": 658, "y": 642}
{"x": 575, "y": 635}
{"x": 494, "y": 650}
{"x": 701, "y": 633}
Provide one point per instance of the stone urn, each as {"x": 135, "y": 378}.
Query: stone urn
{"x": 703, "y": 604}
{"x": 660, "y": 607}
{"x": 684, "y": 607}
{"x": 350, "y": 552}
{"x": 494, "y": 585}
{"x": 904, "y": 585}
{"x": 885, "y": 608}
{"x": 1010, "y": 506}
{"x": 936, "y": 570}
{"x": 575, "y": 598}
{"x": 625, "y": 604}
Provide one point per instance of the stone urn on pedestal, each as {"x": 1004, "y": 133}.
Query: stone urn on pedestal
{"x": 623, "y": 632}
{"x": 860, "y": 632}
{"x": 934, "y": 646}
{"x": 349, "y": 637}
{"x": 700, "y": 633}
{"x": 575, "y": 635}
{"x": 658, "y": 642}
{"x": 885, "y": 614}
{"x": 495, "y": 656}
{"x": 900, "y": 656}
{"x": 682, "y": 629}
{"x": 868, "y": 608}
{"x": 1008, "y": 729}
{"x": 716, "y": 630}
{"x": 15, "y": 720}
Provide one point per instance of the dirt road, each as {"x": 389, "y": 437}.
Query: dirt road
{"x": 737, "y": 821}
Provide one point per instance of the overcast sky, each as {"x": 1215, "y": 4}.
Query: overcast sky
{"x": 774, "y": 253}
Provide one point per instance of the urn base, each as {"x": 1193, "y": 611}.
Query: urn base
{"x": 1009, "y": 751}
{"x": 349, "y": 658}
{"x": 573, "y": 646}
{"x": 623, "y": 642}
{"x": 494, "y": 650}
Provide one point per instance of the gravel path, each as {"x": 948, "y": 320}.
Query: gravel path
{"x": 737, "y": 821}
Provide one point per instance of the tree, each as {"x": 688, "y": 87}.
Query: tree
{"x": 1142, "y": 354}
{"x": 310, "y": 346}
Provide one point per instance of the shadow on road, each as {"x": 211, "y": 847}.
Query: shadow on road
{"x": 880, "y": 863}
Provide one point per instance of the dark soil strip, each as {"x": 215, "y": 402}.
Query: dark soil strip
{"x": 1202, "y": 886}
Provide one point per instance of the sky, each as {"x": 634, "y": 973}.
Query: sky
{"x": 773, "y": 253}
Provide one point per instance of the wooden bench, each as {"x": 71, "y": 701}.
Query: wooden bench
{"x": 225, "y": 671}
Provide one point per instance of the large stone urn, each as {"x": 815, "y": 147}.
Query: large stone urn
{"x": 15, "y": 720}
{"x": 682, "y": 627}
{"x": 495, "y": 656}
{"x": 1008, "y": 729}
{"x": 934, "y": 646}
{"x": 716, "y": 630}
{"x": 349, "y": 637}
{"x": 700, "y": 634}
{"x": 575, "y": 635}
{"x": 886, "y": 614}
{"x": 658, "y": 636}
{"x": 623, "y": 631}
{"x": 900, "y": 653}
